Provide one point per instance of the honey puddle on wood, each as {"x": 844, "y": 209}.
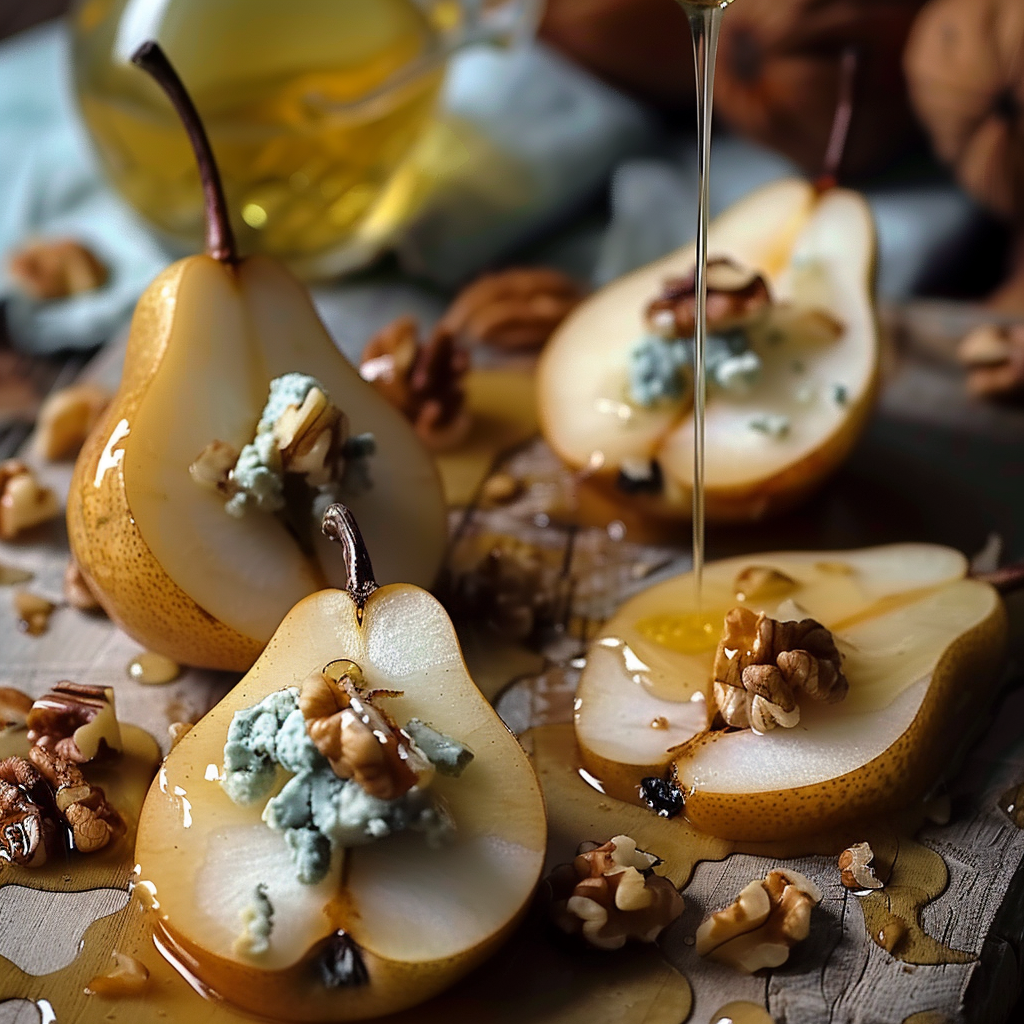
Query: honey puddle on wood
{"x": 913, "y": 875}
{"x": 153, "y": 669}
{"x": 1011, "y": 803}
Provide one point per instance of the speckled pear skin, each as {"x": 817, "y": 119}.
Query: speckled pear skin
{"x": 962, "y": 682}
{"x": 128, "y": 582}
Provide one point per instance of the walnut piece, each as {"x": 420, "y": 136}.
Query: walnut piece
{"x": 856, "y": 870}
{"x": 93, "y": 822}
{"x": 311, "y": 438}
{"x": 736, "y": 296}
{"x": 761, "y": 664}
{"x": 33, "y": 612}
{"x": 129, "y": 977}
{"x": 360, "y": 741}
{"x": 29, "y": 830}
{"x": 66, "y": 418}
{"x": 766, "y": 920}
{"x": 55, "y": 269}
{"x": 994, "y": 360}
{"x": 76, "y": 721}
{"x": 610, "y": 894}
{"x": 77, "y": 591}
{"x": 24, "y": 502}
{"x": 212, "y": 467}
{"x": 515, "y": 310}
{"x": 14, "y": 708}
{"x": 424, "y": 382}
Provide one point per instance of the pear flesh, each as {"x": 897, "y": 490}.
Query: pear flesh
{"x": 169, "y": 564}
{"x": 817, "y": 254}
{"x": 921, "y": 647}
{"x": 420, "y": 917}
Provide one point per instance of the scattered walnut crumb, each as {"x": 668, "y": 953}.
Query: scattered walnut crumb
{"x": 77, "y": 592}
{"x": 766, "y": 920}
{"x": 24, "y": 502}
{"x": 66, "y": 418}
{"x": 129, "y": 977}
{"x": 761, "y": 664}
{"x": 358, "y": 739}
{"x": 422, "y": 381}
{"x": 55, "y": 269}
{"x": 515, "y": 310}
{"x": 501, "y": 488}
{"x": 855, "y": 868}
{"x": 610, "y": 894}
{"x": 92, "y": 820}
{"x": 994, "y": 360}
{"x": 77, "y": 721}
{"x": 14, "y": 708}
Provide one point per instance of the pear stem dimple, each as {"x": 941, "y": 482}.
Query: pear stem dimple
{"x": 340, "y": 525}
{"x": 220, "y": 239}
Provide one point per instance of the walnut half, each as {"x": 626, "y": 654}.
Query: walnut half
{"x": 610, "y": 894}
{"x": 30, "y": 832}
{"x": 761, "y": 665}
{"x": 766, "y": 920}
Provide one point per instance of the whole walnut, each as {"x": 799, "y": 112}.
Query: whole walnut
{"x": 778, "y": 77}
{"x": 965, "y": 69}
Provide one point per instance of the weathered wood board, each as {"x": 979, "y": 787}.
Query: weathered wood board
{"x": 901, "y": 483}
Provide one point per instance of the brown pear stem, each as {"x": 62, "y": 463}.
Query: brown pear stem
{"x": 836, "y": 149}
{"x": 220, "y": 240}
{"x": 1007, "y": 580}
{"x": 340, "y": 525}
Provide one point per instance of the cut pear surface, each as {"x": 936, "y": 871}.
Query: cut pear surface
{"x": 420, "y": 917}
{"x": 921, "y": 648}
{"x": 816, "y": 251}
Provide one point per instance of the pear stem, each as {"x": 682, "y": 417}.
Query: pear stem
{"x": 340, "y": 525}
{"x": 220, "y": 239}
{"x": 840, "y": 133}
{"x": 1007, "y": 580}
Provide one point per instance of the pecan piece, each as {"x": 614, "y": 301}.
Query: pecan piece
{"x": 360, "y": 741}
{"x": 92, "y": 820}
{"x": 55, "y": 269}
{"x": 29, "y": 829}
{"x": 77, "y": 721}
{"x": 761, "y": 664}
{"x": 736, "y": 295}
{"x": 422, "y": 381}
{"x": 516, "y": 310}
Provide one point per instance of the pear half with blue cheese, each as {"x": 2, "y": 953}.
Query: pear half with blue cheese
{"x": 774, "y": 429}
{"x": 922, "y": 646}
{"x": 161, "y": 553}
{"x": 389, "y": 923}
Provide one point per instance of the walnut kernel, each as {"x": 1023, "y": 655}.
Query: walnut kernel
{"x": 29, "y": 829}
{"x": 610, "y": 894}
{"x": 513, "y": 310}
{"x": 55, "y": 269}
{"x": 358, "y": 739}
{"x": 24, "y": 502}
{"x": 765, "y": 921}
{"x": 856, "y": 870}
{"x": 77, "y": 721}
{"x": 212, "y": 467}
{"x": 66, "y": 418}
{"x": 761, "y": 664}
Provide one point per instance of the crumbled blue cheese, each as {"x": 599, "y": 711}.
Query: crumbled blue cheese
{"x": 257, "y": 924}
{"x": 772, "y": 424}
{"x": 316, "y": 810}
{"x": 840, "y": 394}
{"x": 657, "y": 370}
{"x": 738, "y": 373}
{"x": 447, "y": 755}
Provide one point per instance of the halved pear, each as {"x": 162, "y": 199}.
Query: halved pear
{"x": 165, "y": 560}
{"x": 419, "y": 917}
{"x": 816, "y": 250}
{"x": 922, "y": 646}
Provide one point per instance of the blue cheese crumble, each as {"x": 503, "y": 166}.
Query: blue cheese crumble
{"x": 317, "y": 811}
